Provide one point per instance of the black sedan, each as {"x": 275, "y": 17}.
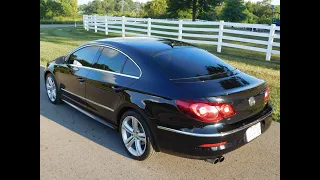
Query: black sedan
{"x": 162, "y": 95}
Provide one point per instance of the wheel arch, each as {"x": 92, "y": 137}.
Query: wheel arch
{"x": 127, "y": 107}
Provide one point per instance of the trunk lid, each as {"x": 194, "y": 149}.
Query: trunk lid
{"x": 234, "y": 88}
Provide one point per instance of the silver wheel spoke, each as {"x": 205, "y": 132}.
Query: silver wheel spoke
{"x": 134, "y": 124}
{"x": 142, "y": 137}
{"x": 50, "y": 95}
{"x": 51, "y": 82}
{"x": 128, "y": 128}
{"x": 48, "y": 86}
{"x": 128, "y": 142}
{"x": 138, "y": 147}
{"x": 53, "y": 95}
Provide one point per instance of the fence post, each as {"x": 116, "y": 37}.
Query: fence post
{"x": 123, "y": 26}
{"x": 75, "y": 23}
{"x": 180, "y": 29}
{"x": 270, "y": 41}
{"x": 87, "y": 22}
{"x": 220, "y": 36}
{"x": 95, "y": 23}
{"x": 149, "y": 27}
{"x": 106, "y": 24}
{"x": 84, "y": 21}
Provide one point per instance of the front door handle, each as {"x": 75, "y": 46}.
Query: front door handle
{"x": 117, "y": 88}
{"x": 73, "y": 68}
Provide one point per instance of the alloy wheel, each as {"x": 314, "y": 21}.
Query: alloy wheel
{"x": 134, "y": 136}
{"x": 51, "y": 89}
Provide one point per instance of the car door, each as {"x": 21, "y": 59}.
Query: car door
{"x": 106, "y": 82}
{"x": 75, "y": 70}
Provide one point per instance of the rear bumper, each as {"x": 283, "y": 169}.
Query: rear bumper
{"x": 186, "y": 142}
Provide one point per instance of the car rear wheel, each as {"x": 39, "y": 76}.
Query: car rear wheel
{"x": 52, "y": 89}
{"x": 136, "y": 136}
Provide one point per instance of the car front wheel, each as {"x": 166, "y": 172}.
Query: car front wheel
{"x": 52, "y": 89}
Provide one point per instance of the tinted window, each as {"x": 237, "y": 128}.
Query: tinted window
{"x": 190, "y": 62}
{"x": 131, "y": 69}
{"x": 110, "y": 60}
{"x": 84, "y": 56}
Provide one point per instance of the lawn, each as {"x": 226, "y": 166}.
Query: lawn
{"x": 55, "y": 42}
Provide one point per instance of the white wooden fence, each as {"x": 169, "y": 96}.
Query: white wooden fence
{"x": 211, "y": 32}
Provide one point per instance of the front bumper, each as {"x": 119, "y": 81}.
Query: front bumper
{"x": 186, "y": 142}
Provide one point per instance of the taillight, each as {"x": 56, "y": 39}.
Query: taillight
{"x": 205, "y": 111}
{"x": 213, "y": 145}
{"x": 266, "y": 94}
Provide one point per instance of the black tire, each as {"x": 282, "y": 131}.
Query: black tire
{"x": 58, "y": 93}
{"x": 149, "y": 151}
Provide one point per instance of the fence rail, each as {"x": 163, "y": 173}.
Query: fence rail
{"x": 221, "y": 33}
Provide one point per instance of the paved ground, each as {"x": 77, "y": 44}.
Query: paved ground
{"x": 74, "y": 146}
{"x": 57, "y": 25}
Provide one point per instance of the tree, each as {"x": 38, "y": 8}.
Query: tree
{"x": 194, "y": 5}
{"x": 127, "y": 8}
{"x": 69, "y": 8}
{"x": 156, "y": 8}
{"x": 233, "y": 11}
{"x": 43, "y": 8}
{"x": 54, "y": 8}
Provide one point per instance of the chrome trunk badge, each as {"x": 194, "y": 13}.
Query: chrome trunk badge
{"x": 252, "y": 101}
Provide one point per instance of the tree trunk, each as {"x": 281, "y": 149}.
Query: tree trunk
{"x": 194, "y": 9}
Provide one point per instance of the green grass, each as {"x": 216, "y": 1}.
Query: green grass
{"x": 55, "y": 42}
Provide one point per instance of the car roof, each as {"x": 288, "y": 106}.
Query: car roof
{"x": 146, "y": 45}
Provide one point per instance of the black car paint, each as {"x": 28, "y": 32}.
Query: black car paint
{"x": 153, "y": 95}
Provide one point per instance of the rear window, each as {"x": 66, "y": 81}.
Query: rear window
{"x": 190, "y": 62}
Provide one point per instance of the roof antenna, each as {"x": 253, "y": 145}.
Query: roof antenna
{"x": 172, "y": 43}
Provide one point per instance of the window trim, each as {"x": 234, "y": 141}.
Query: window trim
{"x": 106, "y": 46}
{"x": 66, "y": 59}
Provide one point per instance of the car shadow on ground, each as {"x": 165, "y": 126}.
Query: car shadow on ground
{"x": 79, "y": 123}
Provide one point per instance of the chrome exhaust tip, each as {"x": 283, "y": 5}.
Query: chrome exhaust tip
{"x": 213, "y": 161}
{"x": 221, "y": 159}
{"x": 216, "y": 160}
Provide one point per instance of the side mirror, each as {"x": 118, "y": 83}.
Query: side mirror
{"x": 60, "y": 60}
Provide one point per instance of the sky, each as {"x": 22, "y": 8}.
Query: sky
{"x": 274, "y": 2}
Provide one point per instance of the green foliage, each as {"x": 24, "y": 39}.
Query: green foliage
{"x": 212, "y": 10}
{"x": 250, "y": 17}
{"x": 233, "y": 11}
{"x": 184, "y": 14}
{"x": 53, "y": 8}
{"x": 43, "y": 8}
{"x": 260, "y": 12}
{"x": 199, "y": 8}
{"x": 113, "y": 8}
{"x": 218, "y": 12}
{"x": 61, "y": 20}
{"x": 156, "y": 8}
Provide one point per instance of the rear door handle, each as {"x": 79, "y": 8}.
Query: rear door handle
{"x": 117, "y": 88}
{"x": 81, "y": 80}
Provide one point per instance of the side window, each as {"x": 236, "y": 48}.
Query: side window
{"x": 84, "y": 56}
{"x": 131, "y": 69}
{"x": 110, "y": 60}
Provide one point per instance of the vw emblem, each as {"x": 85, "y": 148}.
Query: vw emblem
{"x": 252, "y": 101}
